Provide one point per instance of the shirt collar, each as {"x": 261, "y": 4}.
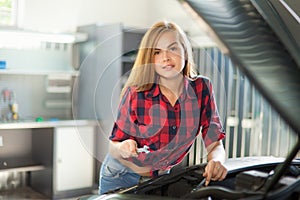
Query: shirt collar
{"x": 188, "y": 91}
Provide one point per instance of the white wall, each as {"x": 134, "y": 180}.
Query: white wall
{"x": 66, "y": 15}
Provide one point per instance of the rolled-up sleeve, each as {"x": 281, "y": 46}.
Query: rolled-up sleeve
{"x": 212, "y": 129}
{"x": 124, "y": 127}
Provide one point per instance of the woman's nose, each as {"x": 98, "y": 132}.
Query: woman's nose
{"x": 166, "y": 55}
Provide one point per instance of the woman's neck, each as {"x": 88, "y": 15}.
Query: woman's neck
{"x": 171, "y": 88}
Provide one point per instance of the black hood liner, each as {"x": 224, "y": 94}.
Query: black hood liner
{"x": 257, "y": 50}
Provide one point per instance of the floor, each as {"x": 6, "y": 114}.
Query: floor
{"x": 26, "y": 193}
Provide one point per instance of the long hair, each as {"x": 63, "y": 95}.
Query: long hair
{"x": 143, "y": 74}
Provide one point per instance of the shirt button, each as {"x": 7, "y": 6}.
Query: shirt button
{"x": 173, "y": 127}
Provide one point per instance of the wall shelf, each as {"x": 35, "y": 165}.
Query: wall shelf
{"x": 46, "y": 124}
{"x": 129, "y": 59}
{"x": 19, "y": 165}
{"x": 13, "y": 38}
{"x": 24, "y": 168}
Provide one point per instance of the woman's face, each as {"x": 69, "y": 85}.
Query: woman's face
{"x": 168, "y": 56}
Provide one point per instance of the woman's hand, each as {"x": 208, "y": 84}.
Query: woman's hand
{"x": 127, "y": 148}
{"x": 215, "y": 171}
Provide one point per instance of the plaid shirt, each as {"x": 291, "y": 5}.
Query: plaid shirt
{"x": 149, "y": 119}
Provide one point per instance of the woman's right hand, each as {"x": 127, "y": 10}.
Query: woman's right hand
{"x": 127, "y": 148}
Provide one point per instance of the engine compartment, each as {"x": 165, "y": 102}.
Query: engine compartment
{"x": 188, "y": 183}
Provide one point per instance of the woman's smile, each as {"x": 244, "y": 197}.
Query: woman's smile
{"x": 168, "y": 67}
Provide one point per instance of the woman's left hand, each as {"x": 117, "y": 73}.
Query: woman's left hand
{"x": 215, "y": 171}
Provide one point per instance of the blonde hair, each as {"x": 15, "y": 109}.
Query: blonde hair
{"x": 143, "y": 75}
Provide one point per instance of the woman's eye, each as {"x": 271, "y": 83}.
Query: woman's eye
{"x": 173, "y": 48}
{"x": 156, "y": 52}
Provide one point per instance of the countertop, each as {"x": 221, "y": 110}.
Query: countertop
{"x": 46, "y": 124}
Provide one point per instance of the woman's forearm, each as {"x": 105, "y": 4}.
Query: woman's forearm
{"x": 216, "y": 152}
{"x": 113, "y": 150}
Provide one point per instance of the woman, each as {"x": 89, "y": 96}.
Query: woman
{"x": 164, "y": 106}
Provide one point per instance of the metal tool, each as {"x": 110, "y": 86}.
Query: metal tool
{"x": 200, "y": 185}
{"x": 145, "y": 149}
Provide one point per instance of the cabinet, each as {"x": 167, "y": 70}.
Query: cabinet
{"x": 131, "y": 41}
{"x": 106, "y": 59}
{"x": 56, "y": 159}
{"x": 68, "y": 155}
{"x": 73, "y": 163}
{"x": 98, "y": 84}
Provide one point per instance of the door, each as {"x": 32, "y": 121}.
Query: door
{"x": 73, "y": 156}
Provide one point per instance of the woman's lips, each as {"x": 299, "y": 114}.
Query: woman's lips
{"x": 168, "y": 67}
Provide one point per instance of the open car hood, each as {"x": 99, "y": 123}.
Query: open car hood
{"x": 262, "y": 39}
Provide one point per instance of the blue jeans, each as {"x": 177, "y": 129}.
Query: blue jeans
{"x": 114, "y": 175}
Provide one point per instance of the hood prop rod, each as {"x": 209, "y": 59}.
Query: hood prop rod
{"x": 281, "y": 168}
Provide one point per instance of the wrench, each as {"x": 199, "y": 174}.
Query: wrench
{"x": 145, "y": 149}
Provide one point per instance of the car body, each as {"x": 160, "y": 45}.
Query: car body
{"x": 245, "y": 180}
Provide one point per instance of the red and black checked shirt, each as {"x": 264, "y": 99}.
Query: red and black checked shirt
{"x": 169, "y": 131}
